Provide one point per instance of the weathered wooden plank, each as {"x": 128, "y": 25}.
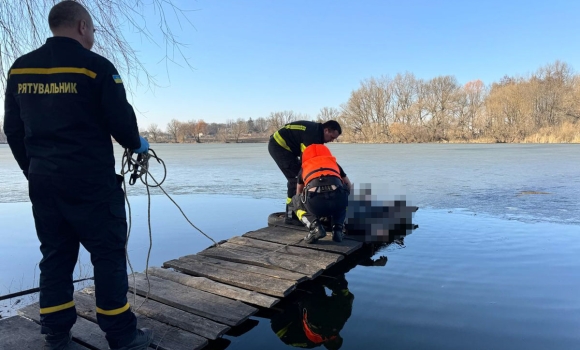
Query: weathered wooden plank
{"x": 83, "y": 330}
{"x": 214, "y": 307}
{"x": 293, "y": 237}
{"x": 181, "y": 319}
{"x": 165, "y": 337}
{"x": 287, "y": 249}
{"x": 230, "y": 265}
{"x": 247, "y": 280}
{"x": 167, "y": 314}
{"x": 217, "y": 288}
{"x": 274, "y": 262}
{"x": 321, "y": 262}
{"x": 243, "y": 328}
{"x": 18, "y": 332}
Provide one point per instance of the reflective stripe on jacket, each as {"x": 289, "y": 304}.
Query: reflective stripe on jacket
{"x": 296, "y": 136}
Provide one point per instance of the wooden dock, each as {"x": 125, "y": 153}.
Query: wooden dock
{"x": 194, "y": 300}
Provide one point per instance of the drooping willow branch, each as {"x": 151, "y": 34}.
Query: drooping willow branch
{"x": 24, "y": 27}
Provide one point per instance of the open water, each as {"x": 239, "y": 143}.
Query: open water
{"x": 494, "y": 263}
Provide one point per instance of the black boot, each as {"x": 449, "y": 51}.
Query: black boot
{"x": 316, "y": 232}
{"x": 337, "y": 233}
{"x": 141, "y": 341}
{"x": 59, "y": 341}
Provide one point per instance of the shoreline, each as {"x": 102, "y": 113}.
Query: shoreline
{"x": 475, "y": 142}
{"x": 459, "y": 142}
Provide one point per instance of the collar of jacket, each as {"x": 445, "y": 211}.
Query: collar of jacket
{"x": 63, "y": 40}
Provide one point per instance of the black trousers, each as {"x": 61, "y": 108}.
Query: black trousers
{"x": 91, "y": 212}
{"x": 288, "y": 163}
{"x": 314, "y": 205}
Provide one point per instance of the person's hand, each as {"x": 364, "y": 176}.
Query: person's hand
{"x": 144, "y": 146}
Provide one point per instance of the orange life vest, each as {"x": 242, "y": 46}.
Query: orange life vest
{"x": 310, "y": 334}
{"x": 318, "y": 161}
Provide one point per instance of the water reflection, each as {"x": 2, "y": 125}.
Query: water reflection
{"x": 318, "y": 310}
{"x": 317, "y": 318}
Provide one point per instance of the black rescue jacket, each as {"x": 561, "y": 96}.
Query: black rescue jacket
{"x": 62, "y": 104}
{"x": 296, "y": 136}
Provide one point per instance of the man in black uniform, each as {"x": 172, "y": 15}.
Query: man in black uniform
{"x": 62, "y": 105}
{"x": 286, "y": 146}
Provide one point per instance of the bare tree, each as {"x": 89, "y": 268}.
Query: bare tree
{"x": 552, "y": 87}
{"x": 199, "y": 128}
{"x": 238, "y": 128}
{"x": 475, "y": 94}
{"x": 154, "y": 132}
{"x": 405, "y": 95}
{"x": 187, "y": 131}
{"x": 222, "y": 133}
{"x": 175, "y": 130}
{"x": 509, "y": 114}
{"x": 276, "y": 120}
{"x": 572, "y": 101}
{"x": 441, "y": 95}
{"x": 327, "y": 113}
{"x": 261, "y": 125}
{"x": 368, "y": 111}
{"x": 24, "y": 27}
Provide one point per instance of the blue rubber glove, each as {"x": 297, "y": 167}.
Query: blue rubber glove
{"x": 144, "y": 146}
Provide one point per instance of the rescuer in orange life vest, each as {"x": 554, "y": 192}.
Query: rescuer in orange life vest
{"x": 322, "y": 191}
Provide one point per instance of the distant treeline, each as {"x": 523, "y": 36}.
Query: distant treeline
{"x": 240, "y": 130}
{"x": 539, "y": 108}
{"x": 542, "y": 107}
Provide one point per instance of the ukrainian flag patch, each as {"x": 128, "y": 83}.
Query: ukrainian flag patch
{"x": 117, "y": 79}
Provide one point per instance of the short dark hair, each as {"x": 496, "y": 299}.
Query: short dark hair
{"x": 332, "y": 125}
{"x": 66, "y": 14}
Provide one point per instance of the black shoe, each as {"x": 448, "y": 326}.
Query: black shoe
{"x": 316, "y": 232}
{"x": 59, "y": 341}
{"x": 337, "y": 233}
{"x": 141, "y": 341}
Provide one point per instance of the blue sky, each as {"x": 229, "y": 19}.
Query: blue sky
{"x": 251, "y": 58}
